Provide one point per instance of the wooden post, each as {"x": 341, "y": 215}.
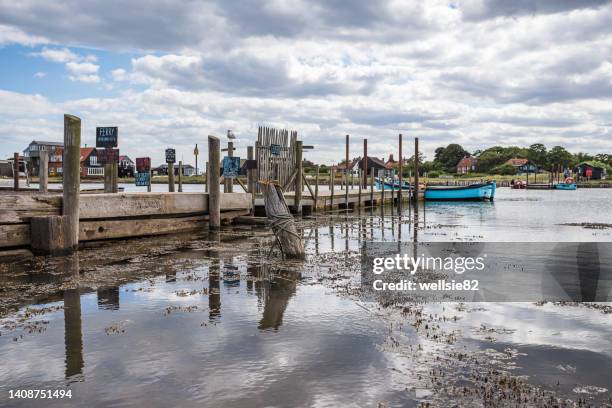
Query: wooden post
{"x": 372, "y": 187}
{"x": 72, "y": 180}
{"x": 171, "y": 177}
{"x": 364, "y": 165}
{"x": 16, "y": 171}
{"x": 115, "y": 183}
{"x": 207, "y": 185}
{"x": 399, "y": 192}
{"x": 316, "y": 197}
{"x": 346, "y": 170}
{"x": 48, "y": 235}
{"x": 180, "y": 176}
{"x": 251, "y": 181}
{"x": 214, "y": 189}
{"x": 108, "y": 178}
{"x": 228, "y": 183}
{"x": 281, "y": 221}
{"x": 331, "y": 187}
{"x": 43, "y": 171}
{"x": 150, "y": 177}
{"x": 382, "y": 191}
{"x": 416, "y": 174}
{"x": 299, "y": 182}
{"x": 359, "y": 183}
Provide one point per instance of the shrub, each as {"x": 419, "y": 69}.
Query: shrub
{"x": 504, "y": 169}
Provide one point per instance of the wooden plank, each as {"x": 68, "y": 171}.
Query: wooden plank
{"x": 143, "y": 204}
{"x": 19, "y": 208}
{"x": 14, "y": 235}
{"x": 109, "y": 229}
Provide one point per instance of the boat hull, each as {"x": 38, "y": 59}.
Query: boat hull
{"x": 565, "y": 186}
{"x": 474, "y": 192}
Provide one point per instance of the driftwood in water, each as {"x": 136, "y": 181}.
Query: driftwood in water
{"x": 281, "y": 221}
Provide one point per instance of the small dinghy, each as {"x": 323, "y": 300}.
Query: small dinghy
{"x": 472, "y": 192}
{"x": 569, "y": 184}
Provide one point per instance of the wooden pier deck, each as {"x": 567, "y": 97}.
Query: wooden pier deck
{"x": 117, "y": 215}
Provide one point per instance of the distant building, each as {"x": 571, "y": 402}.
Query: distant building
{"x": 521, "y": 165}
{"x": 90, "y": 167}
{"x": 32, "y": 156}
{"x": 467, "y": 165}
{"x": 162, "y": 170}
{"x": 592, "y": 170}
{"x": 357, "y": 164}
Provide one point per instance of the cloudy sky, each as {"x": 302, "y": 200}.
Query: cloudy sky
{"x": 169, "y": 73}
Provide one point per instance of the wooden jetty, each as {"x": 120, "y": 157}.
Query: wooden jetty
{"x": 117, "y": 215}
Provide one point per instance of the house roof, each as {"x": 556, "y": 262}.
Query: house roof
{"x": 40, "y": 142}
{"x": 86, "y": 152}
{"x": 593, "y": 163}
{"x": 517, "y": 162}
{"x": 467, "y": 162}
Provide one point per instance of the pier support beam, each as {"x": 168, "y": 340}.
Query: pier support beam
{"x": 16, "y": 171}
{"x": 48, "y": 235}
{"x": 299, "y": 186}
{"x": 416, "y": 174}
{"x": 43, "y": 171}
{"x": 346, "y": 173}
{"x": 171, "y": 177}
{"x": 72, "y": 180}
{"x": 399, "y": 191}
{"x": 180, "y": 176}
{"x": 213, "y": 178}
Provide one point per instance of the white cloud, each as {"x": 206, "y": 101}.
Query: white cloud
{"x": 40, "y": 74}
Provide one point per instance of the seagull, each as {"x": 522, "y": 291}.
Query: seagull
{"x": 230, "y": 134}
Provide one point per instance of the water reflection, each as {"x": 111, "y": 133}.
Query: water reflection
{"x": 274, "y": 290}
{"x": 73, "y": 333}
{"x": 108, "y": 298}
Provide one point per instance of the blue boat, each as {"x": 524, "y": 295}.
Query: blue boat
{"x": 391, "y": 186}
{"x": 565, "y": 186}
{"x": 472, "y": 192}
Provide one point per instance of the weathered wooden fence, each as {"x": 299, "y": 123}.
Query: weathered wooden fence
{"x": 275, "y": 153}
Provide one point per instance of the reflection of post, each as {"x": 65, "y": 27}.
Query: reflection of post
{"x": 399, "y": 191}
{"x": 281, "y": 289}
{"x": 331, "y": 236}
{"x": 214, "y": 293}
{"x": 73, "y": 336}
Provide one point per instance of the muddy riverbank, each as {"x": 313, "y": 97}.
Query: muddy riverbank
{"x": 219, "y": 321}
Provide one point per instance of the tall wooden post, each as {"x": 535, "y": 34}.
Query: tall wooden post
{"x": 149, "y": 183}
{"x": 399, "y": 192}
{"x": 108, "y": 178}
{"x": 43, "y": 171}
{"x": 171, "y": 177}
{"x": 207, "y": 185}
{"x": 228, "y": 183}
{"x": 359, "y": 183}
{"x": 115, "y": 183}
{"x": 364, "y": 165}
{"x": 416, "y": 174}
{"x": 214, "y": 189}
{"x": 180, "y": 176}
{"x": 72, "y": 180}
{"x": 316, "y": 197}
{"x": 346, "y": 174}
{"x": 372, "y": 187}
{"x": 251, "y": 172}
{"x": 331, "y": 188}
{"x": 16, "y": 171}
{"x": 299, "y": 186}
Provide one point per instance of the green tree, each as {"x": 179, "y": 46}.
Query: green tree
{"x": 537, "y": 154}
{"x": 559, "y": 156}
{"x": 449, "y": 156}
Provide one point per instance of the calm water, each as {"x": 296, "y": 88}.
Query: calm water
{"x": 151, "y": 327}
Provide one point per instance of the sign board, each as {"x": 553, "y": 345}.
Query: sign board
{"x": 196, "y": 151}
{"x": 250, "y": 165}
{"x": 231, "y": 167}
{"x": 143, "y": 164}
{"x": 170, "y": 155}
{"x": 142, "y": 179}
{"x": 275, "y": 149}
{"x": 106, "y": 136}
{"x": 108, "y": 156}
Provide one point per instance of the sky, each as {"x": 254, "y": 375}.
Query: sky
{"x": 169, "y": 73}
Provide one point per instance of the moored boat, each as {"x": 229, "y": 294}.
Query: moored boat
{"x": 472, "y": 192}
{"x": 568, "y": 184}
